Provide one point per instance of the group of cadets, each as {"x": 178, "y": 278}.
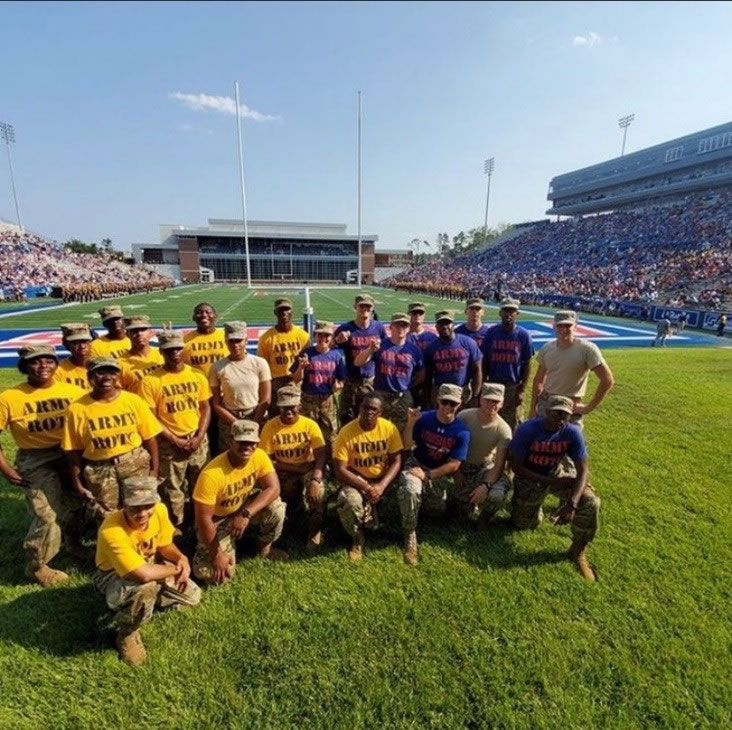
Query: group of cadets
{"x": 125, "y": 432}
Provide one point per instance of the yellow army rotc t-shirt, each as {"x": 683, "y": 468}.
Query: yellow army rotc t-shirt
{"x": 280, "y": 349}
{"x": 123, "y": 549}
{"x": 176, "y": 397}
{"x": 36, "y": 415}
{"x": 202, "y": 351}
{"x": 136, "y": 367}
{"x": 104, "y": 347}
{"x": 291, "y": 444}
{"x": 67, "y": 372}
{"x": 226, "y": 486}
{"x": 105, "y": 429}
{"x": 568, "y": 369}
{"x": 366, "y": 452}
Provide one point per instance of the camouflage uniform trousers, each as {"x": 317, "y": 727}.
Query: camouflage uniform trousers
{"x": 268, "y": 523}
{"x": 396, "y": 406}
{"x": 179, "y": 471}
{"x": 356, "y": 512}
{"x": 133, "y": 603}
{"x": 322, "y": 409}
{"x": 292, "y": 493}
{"x": 354, "y": 389}
{"x": 54, "y": 508}
{"x": 225, "y": 429}
{"x": 512, "y": 412}
{"x": 528, "y": 497}
{"x": 104, "y": 479}
{"x": 471, "y": 476}
{"x": 416, "y": 494}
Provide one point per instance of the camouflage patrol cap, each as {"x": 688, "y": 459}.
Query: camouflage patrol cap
{"x": 450, "y": 392}
{"x": 565, "y": 316}
{"x": 283, "y": 304}
{"x": 509, "y": 303}
{"x": 113, "y": 311}
{"x": 445, "y": 314}
{"x": 289, "y": 395}
{"x": 236, "y": 331}
{"x": 364, "y": 299}
{"x": 244, "y": 430}
{"x": 416, "y": 307}
{"x": 31, "y": 351}
{"x": 474, "y": 302}
{"x": 324, "y": 328}
{"x": 137, "y": 322}
{"x": 170, "y": 339}
{"x": 560, "y": 403}
{"x": 97, "y": 363}
{"x": 400, "y": 318}
{"x": 140, "y": 491}
{"x": 76, "y": 332}
{"x": 493, "y": 391}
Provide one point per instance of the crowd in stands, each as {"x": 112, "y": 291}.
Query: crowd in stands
{"x": 658, "y": 254}
{"x": 27, "y": 260}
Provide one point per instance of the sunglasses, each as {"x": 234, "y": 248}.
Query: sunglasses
{"x": 445, "y": 402}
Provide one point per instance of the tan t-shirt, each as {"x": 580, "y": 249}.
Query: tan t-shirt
{"x": 239, "y": 381}
{"x": 567, "y": 369}
{"x": 484, "y": 439}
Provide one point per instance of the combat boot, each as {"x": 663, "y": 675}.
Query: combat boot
{"x": 47, "y": 576}
{"x": 355, "y": 554}
{"x": 577, "y": 554}
{"x": 272, "y": 553}
{"x": 131, "y": 649}
{"x": 410, "y": 548}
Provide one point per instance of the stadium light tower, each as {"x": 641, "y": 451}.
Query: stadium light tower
{"x": 624, "y": 123}
{"x": 488, "y": 167}
{"x": 8, "y": 134}
{"x": 358, "y": 174}
{"x": 243, "y": 188}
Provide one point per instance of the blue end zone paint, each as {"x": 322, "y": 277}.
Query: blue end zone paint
{"x": 604, "y": 334}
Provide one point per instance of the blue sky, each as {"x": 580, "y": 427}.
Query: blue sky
{"x": 105, "y": 149}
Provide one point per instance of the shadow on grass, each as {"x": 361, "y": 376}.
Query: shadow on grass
{"x": 63, "y": 621}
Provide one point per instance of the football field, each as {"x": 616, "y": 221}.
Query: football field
{"x": 492, "y": 628}
{"x": 254, "y": 306}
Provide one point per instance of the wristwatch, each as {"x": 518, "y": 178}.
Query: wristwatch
{"x": 246, "y": 513}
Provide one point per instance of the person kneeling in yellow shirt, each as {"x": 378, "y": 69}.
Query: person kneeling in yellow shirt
{"x": 138, "y": 566}
{"x": 296, "y": 445}
{"x": 226, "y": 504}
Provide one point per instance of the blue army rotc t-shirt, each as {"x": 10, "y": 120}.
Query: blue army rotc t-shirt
{"x": 358, "y": 341}
{"x": 541, "y": 450}
{"x": 476, "y": 335}
{"x": 323, "y": 369}
{"x": 423, "y": 340}
{"x": 395, "y": 366}
{"x": 506, "y": 353}
{"x": 439, "y": 442}
{"x": 450, "y": 361}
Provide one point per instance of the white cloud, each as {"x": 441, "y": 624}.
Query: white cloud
{"x": 590, "y": 40}
{"x": 221, "y": 104}
{"x": 186, "y": 127}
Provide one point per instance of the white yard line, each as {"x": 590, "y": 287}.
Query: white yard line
{"x": 238, "y": 302}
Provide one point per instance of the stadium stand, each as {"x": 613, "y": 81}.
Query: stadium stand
{"x": 31, "y": 265}
{"x": 677, "y": 252}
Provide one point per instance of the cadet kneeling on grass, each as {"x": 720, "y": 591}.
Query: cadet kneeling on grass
{"x": 538, "y": 456}
{"x": 226, "y": 504}
{"x": 296, "y": 446}
{"x": 138, "y": 566}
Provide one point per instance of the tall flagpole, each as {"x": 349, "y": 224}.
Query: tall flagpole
{"x": 360, "y": 272}
{"x": 243, "y": 189}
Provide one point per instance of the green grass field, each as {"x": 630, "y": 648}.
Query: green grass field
{"x": 492, "y": 629}
{"x": 236, "y": 302}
